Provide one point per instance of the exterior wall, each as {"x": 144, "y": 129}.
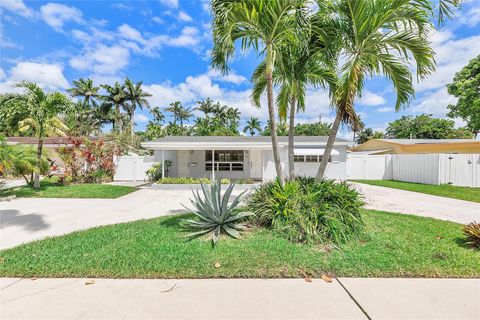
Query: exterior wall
{"x": 169, "y": 155}
{"x": 457, "y": 147}
{"x": 336, "y": 169}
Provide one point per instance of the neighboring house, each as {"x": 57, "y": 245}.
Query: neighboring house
{"x": 239, "y": 157}
{"x": 50, "y": 145}
{"x": 412, "y": 146}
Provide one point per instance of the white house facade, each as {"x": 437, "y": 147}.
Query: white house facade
{"x": 240, "y": 157}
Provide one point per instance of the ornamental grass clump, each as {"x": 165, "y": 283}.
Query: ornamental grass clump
{"x": 472, "y": 234}
{"x": 305, "y": 210}
{"x": 215, "y": 213}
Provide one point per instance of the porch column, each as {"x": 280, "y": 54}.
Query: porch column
{"x": 213, "y": 165}
{"x": 163, "y": 163}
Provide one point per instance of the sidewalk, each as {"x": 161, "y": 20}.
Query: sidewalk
{"x": 345, "y": 298}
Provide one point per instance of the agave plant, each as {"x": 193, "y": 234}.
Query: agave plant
{"x": 472, "y": 233}
{"x": 216, "y": 215}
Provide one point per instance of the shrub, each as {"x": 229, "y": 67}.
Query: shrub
{"x": 304, "y": 210}
{"x": 215, "y": 214}
{"x": 155, "y": 172}
{"x": 225, "y": 181}
{"x": 472, "y": 233}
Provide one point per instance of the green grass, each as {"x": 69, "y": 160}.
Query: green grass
{"x": 50, "y": 190}
{"x": 395, "y": 246}
{"x": 443, "y": 190}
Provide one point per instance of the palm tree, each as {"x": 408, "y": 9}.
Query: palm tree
{"x": 259, "y": 24}
{"x": 377, "y": 37}
{"x": 114, "y": 100}
{"x": 300, "y": 64}
{"x": 136, "y": 98}
{"x": 175, "y": 108}
{"x": 205, "y": 106}
{"x": 85, "y": 89}
{"x": 184, "y": 114}
{"x": 253, "y": 125}
{"x": 158, "y": 116}
{"x": 43, "y": 117}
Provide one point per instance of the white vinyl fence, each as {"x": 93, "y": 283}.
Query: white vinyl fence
{"x": 455, "y": 169}
{"x": 132, "y": 168}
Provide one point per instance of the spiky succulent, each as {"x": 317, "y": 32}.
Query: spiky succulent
{"x": 215, "y": 213}
{"x": 472, "y": 232}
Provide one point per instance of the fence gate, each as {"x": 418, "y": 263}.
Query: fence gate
{"x": 460, "y": 169}
{"x": 132, "y": 168}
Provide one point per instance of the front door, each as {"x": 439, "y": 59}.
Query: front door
{"x": 256, "y": 164}
{"x": 183, "y": 162}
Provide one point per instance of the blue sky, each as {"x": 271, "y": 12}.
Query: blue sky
{"x": 166, "y": 44}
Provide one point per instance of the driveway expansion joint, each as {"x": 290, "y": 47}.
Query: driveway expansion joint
{"x": 354, "y": 300}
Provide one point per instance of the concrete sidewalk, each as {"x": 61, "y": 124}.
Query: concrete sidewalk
{"x": 420, "y": 204}
{"x": 345, "y": 298}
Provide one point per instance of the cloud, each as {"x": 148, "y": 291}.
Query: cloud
{"x": 435, "y": 102}
{"x": 183, "y": 16}
{"x": 2, "y": 74}
{"x": 158, "y": 20}
{"x": 471, "y": 17}
{"x": 170, "y": 3}
{"x": 17, "y": 7}
{"x": 44, "y": 74}
{"x": 371, "y": 99}
{"x": 385, "y": 109}
{"x": 231, "y": 77}
{"x": 56, "y": 15}
{"x": 140, "y": 118}
{"x": 102, "y": 59}
{"x": 451, "y": 55}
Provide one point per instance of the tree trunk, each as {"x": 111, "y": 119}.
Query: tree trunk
{"x": 118, "y": 120}
{"x": 273, "y": 127}
{"x": 36, "y": 183}
{"x": 132, "y": 126}
{"x": 328, "y": 148}
{"x": 291, "y": 138}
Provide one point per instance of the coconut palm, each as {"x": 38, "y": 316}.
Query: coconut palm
{"x": 259, "y": 24}
{"x": 205, "y": 106}
{"x": 84, "y": 89}
{"x": 158, "y": 116}
{"x": 378, "y": 38}
{"x": 42, "y": 120}
{"x": 136, "y": 97}
{"x": 175, "y": 108}
{"x": 113, "y": 101}
{"x": 300, "y": 65}
{"x": 253, "y": 125}
{"x": 184, "y": 114}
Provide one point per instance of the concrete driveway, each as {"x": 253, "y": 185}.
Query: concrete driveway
{"x": 420, "y": 204}
{"x": 344, "y": 298}
{"x": 27, "y": 219}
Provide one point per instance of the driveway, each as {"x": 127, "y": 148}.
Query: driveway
{"x": 27, "y": 219}
{"x": 420, "y": 204}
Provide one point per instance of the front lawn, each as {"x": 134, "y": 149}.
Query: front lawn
{"x": 50, "y": 190}
{"x": 395, "y": 246}
{"x": 443, "y": 190}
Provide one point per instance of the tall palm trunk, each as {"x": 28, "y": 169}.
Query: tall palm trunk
{"x": 291, "y": 138}
{"x": 328, "y": 148}
{"x": 36, "y": 182}
{"x": 271, "y": 112}
{"x": 118, "y": 120}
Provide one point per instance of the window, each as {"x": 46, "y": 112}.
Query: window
{"x": 311, "y": 158}
{"x": 225, "y": 160}
{"x": 299, "y": 158}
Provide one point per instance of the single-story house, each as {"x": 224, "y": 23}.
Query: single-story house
{"x": 415, "y": 146}
{"x": 242, "y": 157}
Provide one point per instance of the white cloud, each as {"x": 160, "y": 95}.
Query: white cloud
{"x": 102, "y": 59}
{"x": 56, "y": 15}
{"x": 158, "y": 20}
{"x": 189, "y": 37}
{"x": 231, "y": 77}
{"x": 371, "y": 99}
{"x": 46, "y": 75}
{"x": 2, "y": 74}
{"x": 435, "y": 103}
{"x": 385, "y": 109}
{"x": 183, "y": 16}
{"x": 17, "y": 7}
{"x": 170, "y": 3}
{"x": 127, "y": 32}
{"x": 451, "y": 56}
{"x": 141, "y": 118}
{"x": 470, "y": 17}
